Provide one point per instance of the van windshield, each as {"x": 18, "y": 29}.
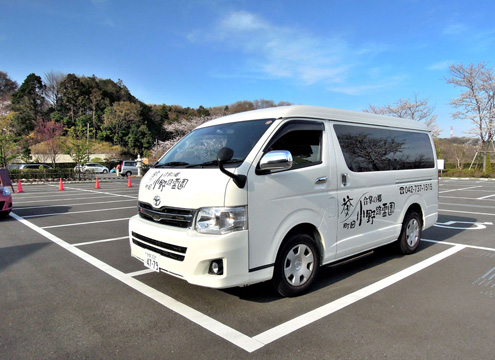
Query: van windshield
{"x": 200, "y": 147}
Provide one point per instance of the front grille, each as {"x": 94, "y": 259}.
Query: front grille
{"x": 176, "y": 217}
{"x": 146, "y": 243}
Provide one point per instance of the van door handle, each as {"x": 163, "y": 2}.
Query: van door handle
{"x": 345, "y": 180}
{"x": 321, "y": 180}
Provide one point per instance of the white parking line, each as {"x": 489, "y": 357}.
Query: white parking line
{"x": 101, "y": 241}
{"x": 77, "y": 212}
{"x": 468, "y": 205}
{"x": 466, "y": 212}
{"x": 214, "y": 326}
{"x": 467, "y": 188}
{"x": 237, "y": 338}
{"x": 84, "y": 223}
{"x": 70, "y": 199}
{"x": 325, "y": 310}
{"x": 141, "y": 272}
{"x": 455, "y": 244}
{"x": 101, "y": 192}
{"x": 485, "y": 197}
{"x": 72, "y": 205}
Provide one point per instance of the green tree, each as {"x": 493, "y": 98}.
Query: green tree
{"x": 120, "y": 118}
{"x": 73, "y": 97}
{"x": 7, "y": 87}
{"x": 488, "y": 166}
{"x": 78, "y": 146}
{"x": 7, "y": 140}
{"x": 139, "y": 139}
{"x": 28, "y": 102}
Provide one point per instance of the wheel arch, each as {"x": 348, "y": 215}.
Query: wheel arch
{"x": 309, "y": 229}
{"x": 414, "y": 207}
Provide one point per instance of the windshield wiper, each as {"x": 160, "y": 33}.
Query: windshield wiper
{"x": 207, "y": 163}
{"x": 214, "y": 162}
{"x": 171, "y": 163}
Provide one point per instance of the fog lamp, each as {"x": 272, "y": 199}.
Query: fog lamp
{"x": 216, "y": 267}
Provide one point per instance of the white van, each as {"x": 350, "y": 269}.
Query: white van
{"x": 276, "y": 193}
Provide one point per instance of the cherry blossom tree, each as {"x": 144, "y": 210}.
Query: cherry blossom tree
{"x": 415, "y": 109}
{"x": 177, "y": 130}
{"x": 477, "y": 101}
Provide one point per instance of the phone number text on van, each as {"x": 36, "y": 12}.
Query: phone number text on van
{"x": 413, "y": 189}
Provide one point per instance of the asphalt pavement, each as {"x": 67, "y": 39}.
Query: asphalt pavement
{"x": 70, "y": 290}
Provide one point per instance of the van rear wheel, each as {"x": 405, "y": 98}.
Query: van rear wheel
{"x": 296, "y": 266}
{"x": 410, "y": 234}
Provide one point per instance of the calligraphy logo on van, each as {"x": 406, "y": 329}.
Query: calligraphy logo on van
{"x": 169, "y": 180}
{"x": 365, "y": 211}
{"x": 157, "y": 201}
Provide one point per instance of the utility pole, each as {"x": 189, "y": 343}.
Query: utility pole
{"x": 87, "y": 139}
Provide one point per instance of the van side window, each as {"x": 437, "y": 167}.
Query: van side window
{"x": 377, "y": 149}
{"x": 303, "y": 140}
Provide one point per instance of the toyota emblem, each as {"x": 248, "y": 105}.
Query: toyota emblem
{"x": 157, "y": 201}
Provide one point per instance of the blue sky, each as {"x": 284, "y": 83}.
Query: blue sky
{"x": 335, "y": 53}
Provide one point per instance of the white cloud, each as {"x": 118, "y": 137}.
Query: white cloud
{"x": 357, "y": 89}
{"x": 243, "y": 21}
{"x": 275, "y": 51}
{"x": 442, "y": 65}
{"x": 455, "y": 29}
{"x": 383, "y": 83}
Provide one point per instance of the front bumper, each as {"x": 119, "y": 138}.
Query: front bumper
{"x": 186, "y": 254}
{"x": 5, "y": 204}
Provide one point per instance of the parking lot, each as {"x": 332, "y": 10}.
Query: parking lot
{"x": 69, "y": 289}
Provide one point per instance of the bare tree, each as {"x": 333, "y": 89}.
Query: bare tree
{"x": 52, "y": 83}
{"x": 48, "y": 133}
{"x": 415, "y": 109}
{"x": 476, "y": 103}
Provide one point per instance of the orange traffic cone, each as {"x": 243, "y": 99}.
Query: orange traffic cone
{"x": 97, "y": 185}
{"x": 129, "y": 182}
{"x": 19, "y": 187}
{"x": 61, "y": 186}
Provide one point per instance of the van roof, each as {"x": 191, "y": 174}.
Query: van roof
{"x": 316, "y": 112}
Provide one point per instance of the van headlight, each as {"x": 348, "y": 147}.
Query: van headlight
{"x": 221, "y": 220}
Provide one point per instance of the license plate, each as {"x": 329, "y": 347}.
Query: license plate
{"x": 151, "y": 261}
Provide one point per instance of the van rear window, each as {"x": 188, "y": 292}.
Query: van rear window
{"x": 377, "y": 149}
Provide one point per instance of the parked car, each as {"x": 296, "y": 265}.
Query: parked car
{"x": 128, "y": 168}
{"x": 34, "y": 167}
{"x": 5, "y": 201}
{"x": 94, "y": 168}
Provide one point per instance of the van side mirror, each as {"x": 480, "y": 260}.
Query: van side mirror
{"x": 224, "y": 155}
{"x": 277, "y": 160}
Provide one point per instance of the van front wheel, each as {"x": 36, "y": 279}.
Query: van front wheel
{"x": 296, "y": 265}
{"x": 410, "y": 234}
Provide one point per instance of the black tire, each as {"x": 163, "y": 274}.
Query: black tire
{"x": 410, "y": 235}
{"x": 105, "y": 171}
{"x": 297, "y": 265}
{"x": 129, "y": 173}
